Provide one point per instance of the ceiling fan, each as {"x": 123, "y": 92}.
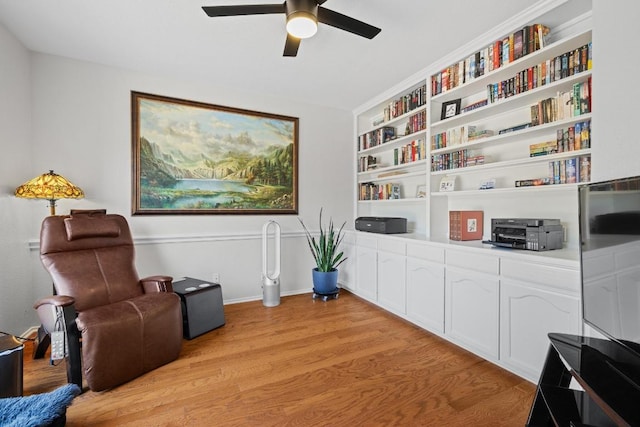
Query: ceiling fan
{"x": 302, "y": 19}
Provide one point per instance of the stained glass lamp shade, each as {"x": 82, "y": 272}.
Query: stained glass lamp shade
{"x": 49, "y": 186}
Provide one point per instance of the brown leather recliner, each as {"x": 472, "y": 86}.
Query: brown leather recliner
{"x": 126, "y": 326}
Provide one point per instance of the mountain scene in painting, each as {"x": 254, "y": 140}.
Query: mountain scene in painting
{"x": 193, "y": 158}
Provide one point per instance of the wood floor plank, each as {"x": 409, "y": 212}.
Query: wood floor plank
{"x": 306, "y": 362}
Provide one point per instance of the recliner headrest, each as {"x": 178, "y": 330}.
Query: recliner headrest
{"x": 85, "y": 226}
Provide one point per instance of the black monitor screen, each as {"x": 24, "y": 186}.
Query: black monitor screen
{"x": 610, "y": 258}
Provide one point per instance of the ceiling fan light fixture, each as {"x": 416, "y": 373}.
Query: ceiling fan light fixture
{"x": 302, "y": 24}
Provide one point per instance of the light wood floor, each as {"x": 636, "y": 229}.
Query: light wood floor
{"x": 306, "y": 363}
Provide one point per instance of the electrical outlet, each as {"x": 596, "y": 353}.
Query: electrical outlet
{"x": 216, "y": 278}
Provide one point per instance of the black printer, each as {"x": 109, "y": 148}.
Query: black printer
{"x": 384, "y": 225}
{"x": 526, "y": 233}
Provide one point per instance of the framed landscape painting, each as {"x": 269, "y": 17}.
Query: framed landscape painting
{"x": 195, "y": 158}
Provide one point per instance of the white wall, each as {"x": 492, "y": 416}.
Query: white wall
{"x": 16, "y": 287}
{"x": 616, "y": 147}
{"x": 81, "y": 127}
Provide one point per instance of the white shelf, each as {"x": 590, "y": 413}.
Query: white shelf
{"x": 394, "y": 143}
{"x": 405, "y": 200}
{"x": 479, "y": 84}
{"x": 395, "y": 120}
{"x": 514, "y": 163}
{"x": 390, "y": 178}
{"x": 501, "y": 192}
{"x": 531, "y": 132}
{"x": 518, "y": 101}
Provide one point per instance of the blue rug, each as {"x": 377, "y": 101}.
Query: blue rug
{"x": 38, "y": 409}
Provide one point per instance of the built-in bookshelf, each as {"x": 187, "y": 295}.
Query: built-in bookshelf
{"x": 518, "y": 124}
{"x": 506, "y": 124}
{"x": 393, "y": 156}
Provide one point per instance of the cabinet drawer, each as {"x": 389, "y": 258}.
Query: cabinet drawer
{"x": 392, "y": 246}
{"x": 553, "y": 276}
{"x": 473, "y": 261}
{"x": 426, "y": 252}
{"x": 367, "y": 242}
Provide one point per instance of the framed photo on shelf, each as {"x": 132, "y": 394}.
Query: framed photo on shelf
{"x": 195, "y": 158}
{"x": 447, "y": 183}
{"x": 421, "y": 191}
{"x": 450, "y": 109}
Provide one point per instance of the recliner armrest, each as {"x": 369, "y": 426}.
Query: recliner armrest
{"x": 157, "y": 284}
{"x": 56, "y": 300}
{"x": 48, "y": 312}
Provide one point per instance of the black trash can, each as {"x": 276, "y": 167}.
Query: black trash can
{"x": 10, "y": 366}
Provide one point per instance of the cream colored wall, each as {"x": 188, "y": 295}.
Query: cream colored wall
{"x": 16, "y": 287}
{"x": 79, "y": 124}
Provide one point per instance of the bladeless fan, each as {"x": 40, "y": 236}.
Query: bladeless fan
{"x": 271, "y": 280}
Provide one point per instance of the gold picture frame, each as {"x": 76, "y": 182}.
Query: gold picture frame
{"x": 196, "y": 158}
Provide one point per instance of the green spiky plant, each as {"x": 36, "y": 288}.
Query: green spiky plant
{"x": 325, "y": 248}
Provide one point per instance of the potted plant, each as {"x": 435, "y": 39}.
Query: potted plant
{"x": 325, "y": 251}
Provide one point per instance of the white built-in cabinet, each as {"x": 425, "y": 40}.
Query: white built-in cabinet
{"x": 392, "y": 276}
{"x": 367, "y": 268}
{"x": 499, "y": 304}
{"x": 425, "y": 286}
{"x": 472, "y": 301}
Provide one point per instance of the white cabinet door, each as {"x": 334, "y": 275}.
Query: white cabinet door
{"x": 347, "y": 270}
{"x": 471, "y": 302}
{"x": 391, "y": 282}
{"x": 367, "y": 273}
{"x": 527, "y": 315}
{"x": 425, "y": 294}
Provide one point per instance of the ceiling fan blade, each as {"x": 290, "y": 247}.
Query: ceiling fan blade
{"x": 246, "y": 9}
{"x": 347, "y": 23}
{"x": 291, "y": 46}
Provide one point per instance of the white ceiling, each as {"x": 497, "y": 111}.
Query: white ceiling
{"x": 177, "y": 39}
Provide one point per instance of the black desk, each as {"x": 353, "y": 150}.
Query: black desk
{"x": 608, "y": 373}
{"x": 202, "y": 306}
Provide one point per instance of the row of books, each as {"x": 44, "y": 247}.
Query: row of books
{"x": 415, "y": 123}
{"x": 551, "y": 70}
{"x": 458, "y": 136}
{"x": 406, "y": 103}
{"x": 376, "y": 137}
{"x": 495, "y": 55}
{"x": 564, "y": 105}
{"x": 366, "y": 163}
{"x": 371, "y": 191}
{"x": 411, "y": 152}
{"x": 576, "y": 137}
{"x": 567, "y": 171}
{"x": 455, "y": 160}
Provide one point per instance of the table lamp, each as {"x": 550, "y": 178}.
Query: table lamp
{"x": 50, "y": 186}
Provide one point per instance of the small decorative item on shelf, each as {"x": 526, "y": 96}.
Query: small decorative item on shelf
{"x": 465, "y": 225}
{"x": 395, "y": 192}
{"x": 421, "y": 191}
{"x": 487, "y": 184}
{"x": 450, "y": 109}
{"x": 448, "y": 183}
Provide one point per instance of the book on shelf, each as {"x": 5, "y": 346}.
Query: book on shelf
{"x": 514, "y": 128}
{"x": 541, "y": 74}
{"x": 406, "y": 103}
{"x": 371, "y": 191}
{"x": 456, "y": 160}
{"x": 376, "y": 137}
{"x": 465, "y": 225}
{"x": 491, "y": 57}
{"x": 564, "y": 105}
{"x": 408, "y": 153}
